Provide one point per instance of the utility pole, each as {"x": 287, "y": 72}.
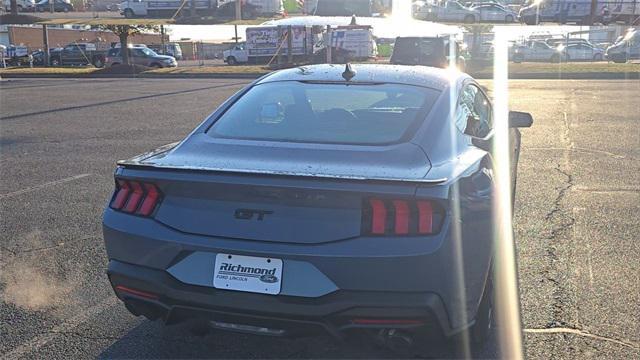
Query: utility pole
{"x": 238, "y": 9}
{"x": 45, "y": 41}
{"x": 51, "y": 8}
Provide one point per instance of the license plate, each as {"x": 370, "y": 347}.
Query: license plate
{"x": 248, "y": 273}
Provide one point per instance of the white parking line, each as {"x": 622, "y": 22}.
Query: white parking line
{"x": 39, "y": 341}
{"x": 42, "y": 186}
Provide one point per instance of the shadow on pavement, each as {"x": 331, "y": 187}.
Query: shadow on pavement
{"x": 153, "y": 340}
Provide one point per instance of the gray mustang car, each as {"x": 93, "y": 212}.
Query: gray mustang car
{"x": 318, "y": 199}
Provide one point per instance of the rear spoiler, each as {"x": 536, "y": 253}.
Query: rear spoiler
{"x": 139, "y": 163}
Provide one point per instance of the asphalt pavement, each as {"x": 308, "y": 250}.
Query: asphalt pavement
{"x": 576, "y": 220}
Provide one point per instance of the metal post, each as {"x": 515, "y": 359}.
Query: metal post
{"x": 164, "y": 48}
{"x": 289, "y": 45}
{"x": 279, "y": 47}
{"x": 45, "y": 41}
{"x": 51, "y": 8}
{"x": 238, "y": 10}
{"x": 327, "y": 44}
{"x": 235, "y": 28}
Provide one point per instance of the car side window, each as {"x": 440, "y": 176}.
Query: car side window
{"x": 473, "y": 115}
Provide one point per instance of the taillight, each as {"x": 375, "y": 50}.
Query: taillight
{"x": 135, "y": 197}
{"x": 400, "y": 217}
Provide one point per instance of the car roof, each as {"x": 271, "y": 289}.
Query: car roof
{"x": 415, "y": 75}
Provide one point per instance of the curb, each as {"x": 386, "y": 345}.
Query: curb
{"x": 519, "y": 76}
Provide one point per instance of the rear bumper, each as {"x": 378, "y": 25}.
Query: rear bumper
{"x": 332, "y": 314}
{"x": 436, "y": 278}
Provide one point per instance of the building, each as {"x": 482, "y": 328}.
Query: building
{"x": 31, "y": 37}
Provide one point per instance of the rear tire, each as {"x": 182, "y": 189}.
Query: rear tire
{"x": 555, "y": 58}
{"x": 128, "y": 13}
{"x": 508, "y": 19}
{"x": 55, "y": 61}
{"x": 231, "y": 60}
{"x": 597, "y": 57}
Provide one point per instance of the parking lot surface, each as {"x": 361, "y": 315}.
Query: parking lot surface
{"x": 576, "y": 220}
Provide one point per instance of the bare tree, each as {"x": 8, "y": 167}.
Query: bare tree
{"x": 123, "y": 32}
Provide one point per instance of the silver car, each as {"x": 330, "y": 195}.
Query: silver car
{"x": 451, "y": 11}
{"x": 141, "y": 55}
{"x": 583, "y": 52}
{"x": 537, "y": 51}
{"x": 495, "y": 13}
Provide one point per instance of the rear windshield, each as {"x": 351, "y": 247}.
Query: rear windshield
{"x": 419, "y": 51}
{"x": 326, "y": 113}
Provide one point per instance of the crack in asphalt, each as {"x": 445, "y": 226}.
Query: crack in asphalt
{"x": 561, "y": 222}
{"x": 42, "y": 186}
{"x": 583, "y": 333}
{"x": 17, "y": 253}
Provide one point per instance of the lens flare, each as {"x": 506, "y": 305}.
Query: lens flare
{"x": 507, "y": 300}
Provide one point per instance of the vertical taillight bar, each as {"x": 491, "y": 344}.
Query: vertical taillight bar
{"x": 378, "y": 216}
{"x": 122, "y": 194}
{"x": 402, "y": 217}
{"x": 150, "y": 200}
{"x": 425, "y": 217}
{"x": 134, "y": 199}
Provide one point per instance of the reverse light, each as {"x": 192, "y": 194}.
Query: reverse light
{"x": 135, "y": 197}
{"x": 136, "y": 292}
{"x": 401, "y": 217}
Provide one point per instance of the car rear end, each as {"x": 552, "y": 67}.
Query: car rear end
{"x": 113, "y": 57}
{"x": 296, "y": 237}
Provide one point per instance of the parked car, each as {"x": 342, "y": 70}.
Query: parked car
{"x": 77, "y": 54}
{"x": 23, "y": 5}
{"x": 163, "y": 8}
{"x": 58, "y": 6}
{"x": 583, "y": 52}
{"x": 451, "y": 11}
{"x": 495, "y": 13}
{"x": 427, "y": 51}
{"x": 141, "y": 56}
{"x": 625, "y": 48}
{"x": 304, "y": 205}
{"x": 537, "y": 51}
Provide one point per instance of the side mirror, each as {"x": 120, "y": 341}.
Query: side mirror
{"x": 518, "y": 119}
